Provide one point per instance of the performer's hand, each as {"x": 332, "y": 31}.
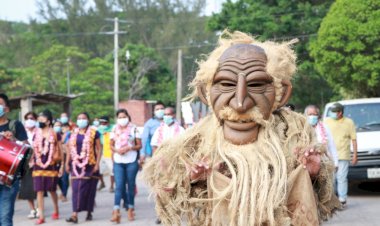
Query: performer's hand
{"x": 8, "y": 135}
{"x": 311, "y": 160}
{"x": 200, "y": 170}
{"x": 67, "y": 168}
{"x": 60, "y": 172}
{"x": 96, "y": 168}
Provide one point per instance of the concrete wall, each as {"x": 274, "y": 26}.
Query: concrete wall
{"x": 139, "y": 110}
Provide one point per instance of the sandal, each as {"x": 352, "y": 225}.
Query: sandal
{"x": 55, "y": 216}
{"x": 40, "y": 221}
{"x": 72, "y": 219}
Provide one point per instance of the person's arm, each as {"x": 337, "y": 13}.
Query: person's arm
{"x": 154, "y": 141}
{"x": 354, "y": 144}
{"x": 355, "y": 154}
{"x": 98, "y": 149}
{"x": 59, "y": 149}
{"x": 68, "y": 154}
{"x": 145, "y": 138}
{"x": 332, "y": 147}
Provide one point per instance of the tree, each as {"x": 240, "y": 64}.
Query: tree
{"x": 347, "y": 51}
{"x": 282, "y": 20}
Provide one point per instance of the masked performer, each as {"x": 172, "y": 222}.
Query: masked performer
{"x": 249, "y": 162}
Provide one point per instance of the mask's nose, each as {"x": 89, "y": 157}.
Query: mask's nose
{"x": 241, "y": 100}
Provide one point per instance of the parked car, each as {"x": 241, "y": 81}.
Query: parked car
{"x": 366, "y": 115}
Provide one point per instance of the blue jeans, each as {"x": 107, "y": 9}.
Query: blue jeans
{"x": 7, "y": 203}
{"x": 125, "y": 174}
{"x": 341, "y": 179}
{"x": 63, "y": 183}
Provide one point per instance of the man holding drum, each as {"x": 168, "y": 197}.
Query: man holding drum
{"x": 12, "y": 130}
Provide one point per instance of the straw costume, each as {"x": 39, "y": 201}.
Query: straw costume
{"x": 259, "y": 181}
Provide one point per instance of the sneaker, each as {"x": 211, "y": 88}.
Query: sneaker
{"x": 32, "y": 214}
{"x": 112, "y": 190}
{"x": 343, "y": 205}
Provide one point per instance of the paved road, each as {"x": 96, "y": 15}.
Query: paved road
{"x": 362, "y": 209}
{"x": 145, "y": 215}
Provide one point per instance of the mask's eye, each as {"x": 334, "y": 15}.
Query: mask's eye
{"x": 227, "y": 84}
{"x": 256, "y": 84}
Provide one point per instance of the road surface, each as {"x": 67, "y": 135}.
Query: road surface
{"x": 362, "y": 209}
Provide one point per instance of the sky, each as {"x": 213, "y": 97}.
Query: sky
{"x": 23, "y": 10}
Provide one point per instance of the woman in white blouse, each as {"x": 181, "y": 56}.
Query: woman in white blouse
{"x": 125, "y": 144}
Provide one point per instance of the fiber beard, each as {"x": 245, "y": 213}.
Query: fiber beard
{"x": 255, "y": 194}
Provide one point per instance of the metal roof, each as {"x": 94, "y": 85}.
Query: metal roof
{"x": 42, "y": 98}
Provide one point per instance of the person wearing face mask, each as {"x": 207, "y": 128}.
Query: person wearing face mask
{"x": 125, "y": 145}
{"x": 322, "y": 131}
{"x": 83, "y": 163}
{"x": 96, "y": 122}
{"x": 11, "y": 130}
{"x": 168, "y": 129}
{"x": 30, "y": 122}
{"x": 344, "y": 133}
{"x": 149, "y": 128}
{"x": 47, "y": 158}
{"x": 106, "y": 163}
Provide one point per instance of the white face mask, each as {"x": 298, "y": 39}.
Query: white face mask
{"x": 122, "y": 121}
{"x": 30, "y": 123}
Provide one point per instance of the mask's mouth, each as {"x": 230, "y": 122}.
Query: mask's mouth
{"x": 241, "y": 125}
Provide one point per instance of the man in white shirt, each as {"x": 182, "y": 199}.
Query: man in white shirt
{"x": 167, "y": 130}
{"x": 322, "y": 130}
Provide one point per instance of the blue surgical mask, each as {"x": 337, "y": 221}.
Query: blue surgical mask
{"x": 312, "y": 119}
{"x": 333, "y": 115}
{"x": 168, "y": 119}
{"x": 82, "y": 123}
{"x": 64, "y": 120}
{"x": 96, "y": 123}
{"x": 159, "y": 113}
{"x": 57, "y": 129}
{"x": 2, "y": 110}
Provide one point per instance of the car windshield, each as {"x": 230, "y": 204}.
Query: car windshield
{"x": 365, "y": 116}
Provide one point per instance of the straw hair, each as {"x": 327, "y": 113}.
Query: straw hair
{"x": 281, "y": 62}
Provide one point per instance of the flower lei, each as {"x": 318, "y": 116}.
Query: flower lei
{"x": 322, "y": 131}
{"x": 122, "y": 135}
{"x": 42, "y": 147}
{"x": 161, "y": 132}
{"x": 80, "y": 160}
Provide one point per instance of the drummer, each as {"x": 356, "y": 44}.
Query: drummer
{"x": 11, "y": 130}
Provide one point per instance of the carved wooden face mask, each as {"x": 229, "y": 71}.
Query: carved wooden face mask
{"x": 241, "y": 84}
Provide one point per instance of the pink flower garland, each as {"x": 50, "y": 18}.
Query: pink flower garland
{"x": 122, "y": 135}
{"x": 322, "y": 131}
{"x": 80, "y": 160}
{"x": 40, "y": 149}
{"x": 161, "y": 132}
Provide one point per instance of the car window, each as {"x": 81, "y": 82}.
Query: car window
{"x": 365, "y": 116}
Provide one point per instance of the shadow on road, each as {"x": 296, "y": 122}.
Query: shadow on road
{"x": 364, "y": 188}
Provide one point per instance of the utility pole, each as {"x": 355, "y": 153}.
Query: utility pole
{"x": 179, "y": 86}
{"x": 68, "y": 75}
{"x": 116, "y": 63}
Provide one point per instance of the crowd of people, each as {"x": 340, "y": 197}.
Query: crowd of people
{"x": 77, "y": 155}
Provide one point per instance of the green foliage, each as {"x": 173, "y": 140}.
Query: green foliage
{"x": 282, "y": 20}
{"x": 347, "y": 50}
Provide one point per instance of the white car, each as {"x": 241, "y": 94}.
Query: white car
{"x": 366, "y": 115}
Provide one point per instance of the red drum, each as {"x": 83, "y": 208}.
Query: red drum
{"x": 12, "y": 161}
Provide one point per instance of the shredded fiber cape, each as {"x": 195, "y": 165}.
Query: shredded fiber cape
{"x": 261, "y": 183}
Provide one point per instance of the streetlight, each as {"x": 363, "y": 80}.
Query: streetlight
{"x": 68, "y": 75}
